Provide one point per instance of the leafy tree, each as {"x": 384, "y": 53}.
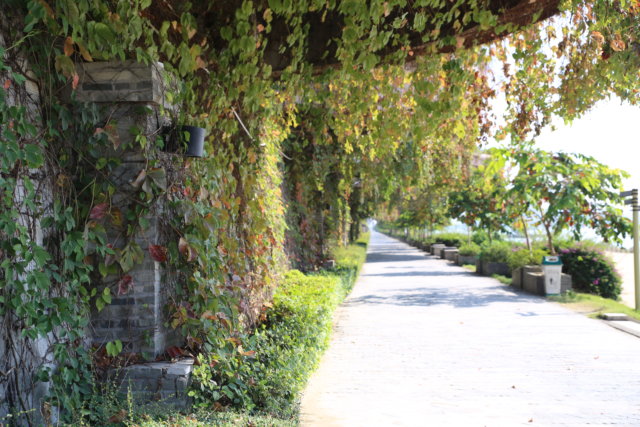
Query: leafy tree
{"x": 482, "y": 201}
{"x": 569, "y": 192}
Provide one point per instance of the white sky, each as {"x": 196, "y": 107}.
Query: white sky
{"x": 610, "y": 133}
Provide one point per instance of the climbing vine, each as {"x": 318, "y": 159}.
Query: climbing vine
{"x": 317, "y": 112}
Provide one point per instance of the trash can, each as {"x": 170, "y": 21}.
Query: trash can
{"x": 552, "y": 269}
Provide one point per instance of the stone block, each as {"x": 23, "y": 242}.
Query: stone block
{"x": 435, "y": 248}
{"x": 467, "y": 259}
{"x": 121, "y": 81}
{"x": 533, "y": 283}
{"x": 450, "y": 254}
{"x": 516, "y": 278}
{"x": 489, "y": 268}
{"x": 565, "y": 283}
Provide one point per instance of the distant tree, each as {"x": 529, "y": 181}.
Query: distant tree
{"x": 482, "y": 200}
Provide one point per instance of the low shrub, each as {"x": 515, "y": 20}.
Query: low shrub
{"x": 591, "y": 271}
{"x": 521, "y": 257}
{"x": 267, "y": 369}
{"x": 496, "y": 252}
{"x": 450, "y": 239}
{"x": 469, "y": 249}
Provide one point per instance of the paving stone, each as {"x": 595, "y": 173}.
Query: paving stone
{"x": 420, "y": 342}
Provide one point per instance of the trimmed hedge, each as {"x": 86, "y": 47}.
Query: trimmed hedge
{"x": 496, "y": 252}
{"x": 288, "y": 346}
{"x": 469, "y": 249}
{"x": 450, "y": 239}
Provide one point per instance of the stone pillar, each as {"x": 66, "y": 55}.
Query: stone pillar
{"x": 132, "y": 95}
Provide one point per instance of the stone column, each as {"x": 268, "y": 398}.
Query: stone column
{"x": 132, "y": 95}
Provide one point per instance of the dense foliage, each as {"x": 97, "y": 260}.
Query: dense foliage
{"x": 309, "y": 129}
{"x": 273, "y": 367}
{"x": 591, "y": 271}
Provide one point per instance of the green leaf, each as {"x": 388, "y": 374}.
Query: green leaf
{"x": 104, "y": 32}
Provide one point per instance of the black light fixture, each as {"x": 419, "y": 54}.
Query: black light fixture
{"x": 194, "y": 140}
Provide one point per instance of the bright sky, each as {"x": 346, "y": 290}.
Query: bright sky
{"x": 610, "y": 133}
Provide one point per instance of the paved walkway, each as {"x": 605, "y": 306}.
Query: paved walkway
{"x": 420, "y": 342}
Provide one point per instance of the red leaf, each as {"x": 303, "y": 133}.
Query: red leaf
{"x": 118, "y": 417}
{"x": 158, "y": 253}
{"x": 7, "y": 84}
{"x": 124, "y": 285}
{"x": 99, "y": 211}
{"x": 75, "y": 81}
{"x": 174, "y": 352}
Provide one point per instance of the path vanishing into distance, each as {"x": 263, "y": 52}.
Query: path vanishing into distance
{"x": 420, "y": 342}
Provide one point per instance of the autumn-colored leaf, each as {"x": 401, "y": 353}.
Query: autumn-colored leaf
{"x": 235, "y": 341}
{"x": 158, "y": 253}
{"x": 598, "y": 37}
{"x": 84, "y": 52}
{"x": 116, "y": 217}
{"x": 7, "y": 84}
{"x": 137, "y": 183}
{"x": 47, "y": 8}
{"x": 174, "y": 352}
{"x": 68, "y": 46}
{"x": 250, "y": 353}
{"x": 112, "y": 133}
{"x": 99, "y": 211}
{"x": 124, "y": 284}
{"x": 618, "y": 45}
{"x": 209, "y": 315}
{"x": 75, "y": 80}
{"x": 186, "y": 250}
{"x": 118, "y": 417}
{"x": 200, "y": 63}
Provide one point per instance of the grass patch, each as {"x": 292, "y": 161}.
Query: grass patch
{"x": 502, "y": 279}
{"x": 211, "y": 419}
{"x": 470, "y": 267}
{"x": 593, "y": 305}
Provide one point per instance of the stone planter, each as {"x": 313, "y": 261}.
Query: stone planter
{"x": 467, "y": 259}
{"x": 450, "y": 254}
{"x": 489, "y": 268}
{"x": 435, "y": 248}
{"x": 517, "y": 276}
{"x": 533, "y": 283}
{"x": 565, "y": 283}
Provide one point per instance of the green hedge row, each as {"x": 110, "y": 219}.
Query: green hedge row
{"x": 285, "y": 349}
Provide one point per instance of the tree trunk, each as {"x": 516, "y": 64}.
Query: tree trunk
{"x": 552, "y": 250}
{"x": 526, "y": 232}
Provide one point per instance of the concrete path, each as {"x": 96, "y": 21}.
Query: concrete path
{"x": 420, "y": 342}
